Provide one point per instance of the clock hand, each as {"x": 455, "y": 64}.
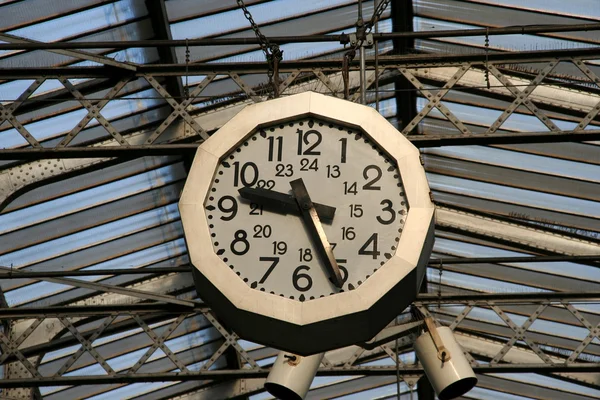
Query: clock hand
{"x": 282, "y": 202}
{"x": 317, "y": 234}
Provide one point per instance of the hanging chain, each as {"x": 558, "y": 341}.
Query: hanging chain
{"x": 362, "y": 30}
{"x": 187, "y": 63}
{"x": 348, "y": 57}
{"x": 376, "y": 15}
{"x": 487, "y": 48}
{"x": 187, "y": 87}
{"x": 440, "y": 285}
{"x": 273, "y": 53}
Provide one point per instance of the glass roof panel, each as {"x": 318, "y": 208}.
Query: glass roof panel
{"x": 149, "y": 234}
{"x": 82, "y": 22}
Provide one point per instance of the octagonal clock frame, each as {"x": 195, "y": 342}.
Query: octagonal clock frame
{"x": 324, "y": 323}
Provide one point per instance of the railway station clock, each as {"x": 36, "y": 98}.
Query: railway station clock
{"x": 308, "y": 222}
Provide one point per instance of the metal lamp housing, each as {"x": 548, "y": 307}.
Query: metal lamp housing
{"x": 332, "y": 321}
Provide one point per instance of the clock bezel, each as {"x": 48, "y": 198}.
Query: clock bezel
{"x": 241, "y": 306}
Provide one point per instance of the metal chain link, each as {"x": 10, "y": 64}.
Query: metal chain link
{"x": 362, "y": 31}
{"x": 440, "y": 286}
{"x": 487, "y": 48}
{"x": 273, "y": 53}
{"x": 376, "y": 15}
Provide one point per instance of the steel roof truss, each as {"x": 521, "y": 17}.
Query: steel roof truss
{"x": 288, "y": 81}
{"x": 245, "y": 88}
{"x": 519, "y": 334}
{"x": 435, "y": 101}
{"x": 159, "y": 342}
{"x": 593, "y": 78}
{"x": 10, "y": 348}
{"x": 179, "y": 108}
{"x": 410, "y": 380}
{"x": 521, "y": 97}
{"x": 326, "y": 81}
{"x": 7, "y": 113}
{"x": 93, "y": 111}
{"x": 95, "y": 335}
{"x": 230, "y": 340}
{"x": 593, "y": 332}
{"x": 24, "y": 335}
{"x": 87, "y": 344}
{"x": 369, "y": 81}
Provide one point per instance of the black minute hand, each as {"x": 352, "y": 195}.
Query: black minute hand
{"x": 282, "y": 202}
{"x": 317, "y": 234}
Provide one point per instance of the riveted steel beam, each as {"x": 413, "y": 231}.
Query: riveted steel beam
{"x": 225, "y": 374}
{"x": 421, "y": 141}
{"x": 393, "y": 61}
{"x": 342, "y": 38}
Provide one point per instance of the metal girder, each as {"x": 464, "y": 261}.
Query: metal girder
{"x": 7, "y": 113}
{"x": 169, "y": 270}
{"x": 225, "y": 374}
{"x": 93, "y": 112}
{"x": 435, "y": 101}
{"x": 402, "y": 17}
{"x": 169, "y": 308}
{"x": 338, "y": 362}
{"x": 113, "y": 289}
{"x": 521, "y": 97}
{"x": 179, "y": 108}
{"x": 512, "y": 232}
{"x": 77, "y": 54}
{"x": 162, "y": 31}
{"x": 421, "y": 141}
{"x": 97, "y": 272}
{"x": 172, "y": 129}
{"x": 328, "y": 65}
{"x": 342, "y": 38}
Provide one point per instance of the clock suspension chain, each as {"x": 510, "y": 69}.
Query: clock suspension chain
{"x": 273, "y": 53}
{"x": 362, "y": 31}
{"x": 440, "y": 286}
{"x": 187, "y": 88}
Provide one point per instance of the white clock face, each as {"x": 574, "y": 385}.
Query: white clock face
{"x": 341, "y": 168}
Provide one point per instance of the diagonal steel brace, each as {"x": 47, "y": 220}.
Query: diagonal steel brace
{"x": 94, "y": 111}
{"x": 521, "y": 97}
{"x": 7, "y": 113}
{"x": 435, "y": 101}
{"x": 519, "y": 334}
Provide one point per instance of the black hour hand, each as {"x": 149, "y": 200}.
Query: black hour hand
{"x": 282, "y": 202}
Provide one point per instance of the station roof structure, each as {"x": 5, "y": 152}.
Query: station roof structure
{"x": 102, "y": 106}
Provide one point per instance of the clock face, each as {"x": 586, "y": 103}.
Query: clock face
{"x": 341, "y": 168}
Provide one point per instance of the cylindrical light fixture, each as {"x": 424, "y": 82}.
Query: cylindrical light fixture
{"x": 291, "y": 375}
{"x": 448, "y": 370}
